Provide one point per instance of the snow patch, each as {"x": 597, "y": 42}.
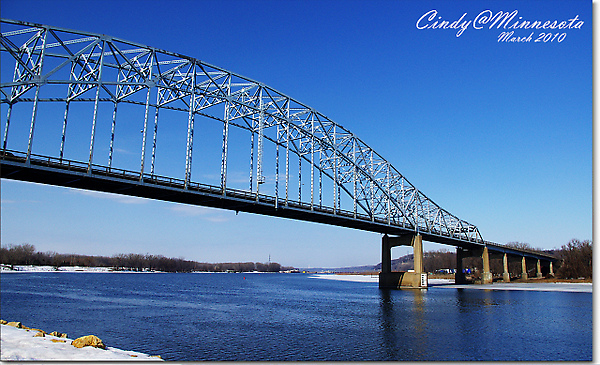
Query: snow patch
{"x": 562, "y": 287}
{"x": 449, "y": 284}
{"x": 31, "y": 268}
{"x": 351, "y": 277}
{"x": 18, "y": 344}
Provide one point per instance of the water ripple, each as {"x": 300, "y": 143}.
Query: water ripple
{"x": 273, "y": 317}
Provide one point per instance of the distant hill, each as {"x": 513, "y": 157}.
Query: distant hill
{"x": 403, "y": 263}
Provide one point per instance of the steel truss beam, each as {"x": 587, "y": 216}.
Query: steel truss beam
{"x": 100, "y": 69}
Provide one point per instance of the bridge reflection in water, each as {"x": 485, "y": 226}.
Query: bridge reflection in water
{"x": 444, "y": 324}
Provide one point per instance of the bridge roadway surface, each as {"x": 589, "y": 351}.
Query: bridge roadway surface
{"x": 73, "y": 174}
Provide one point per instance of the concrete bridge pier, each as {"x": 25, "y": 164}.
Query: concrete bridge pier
{"x": 397, "y": 280}
{"x": 486, "y": 275}
{"x": 523, "y": 268}
{"x": 505, "y": 274}
{"x": 459, "y": 276}
{"x": 539, "y": 269}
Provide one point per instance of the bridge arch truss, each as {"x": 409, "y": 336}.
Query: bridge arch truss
{"x": 294, "y": 154}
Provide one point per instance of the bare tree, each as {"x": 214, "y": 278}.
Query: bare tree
{"x": 576, "y": 260}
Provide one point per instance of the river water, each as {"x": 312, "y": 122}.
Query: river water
{"x": 297, "y": 317}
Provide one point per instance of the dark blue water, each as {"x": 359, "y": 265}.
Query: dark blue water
{"x": 286, "y": 317}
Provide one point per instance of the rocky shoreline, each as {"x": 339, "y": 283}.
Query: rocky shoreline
{"x": 22, "y": 343}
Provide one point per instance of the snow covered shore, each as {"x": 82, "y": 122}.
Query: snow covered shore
{"x": 449, "y": 284}
{"x": 530, "y": 286}
{"x": 30, "y": 268}
{"x": 369, "y": 278}
{"x": 18, "y": 344}
{"x": 349, "y": 277}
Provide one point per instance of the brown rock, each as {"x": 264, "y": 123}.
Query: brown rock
{"x": 58, "y": 334}
{"x": 3, "y": 321}
{"x": 40, "y": 334}
{"x": 15, "y": 324}
{"x": 89, "y": 340}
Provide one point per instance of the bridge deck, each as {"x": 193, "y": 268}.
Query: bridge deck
{"x": 73, "y": 174}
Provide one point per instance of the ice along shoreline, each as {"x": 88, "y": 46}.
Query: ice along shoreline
{"x": 4, "y": 269}
{"x": 369, "y": 278}
{"x": 449, "y": 284}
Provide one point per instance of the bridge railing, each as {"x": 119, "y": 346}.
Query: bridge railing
{"x": 504, "y": 248}
{"x": 85, "y": 169}
{"x": 82, "y": 168}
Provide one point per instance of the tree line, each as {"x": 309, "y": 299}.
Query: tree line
{"x": 25, "y": 254}
{"x": 574, "y": 260}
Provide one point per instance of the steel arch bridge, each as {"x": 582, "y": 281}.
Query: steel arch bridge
{"x": 73, "y": 95}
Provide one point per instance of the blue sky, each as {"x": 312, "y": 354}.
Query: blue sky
{"x": 497, "y": 133}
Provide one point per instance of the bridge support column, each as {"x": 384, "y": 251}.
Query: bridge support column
{"x": 459, "y": 276}
{"x": 397, "y": 280}
{"x": 539, "y": 269}
{"x": 486, "y": 276}
{"x": 505, "y": 274}
{"x": 523, "y": 269}
{"x": 386, "y": 255}
{"x": 551, "y": 273}
{"x": 417, "y": 243}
